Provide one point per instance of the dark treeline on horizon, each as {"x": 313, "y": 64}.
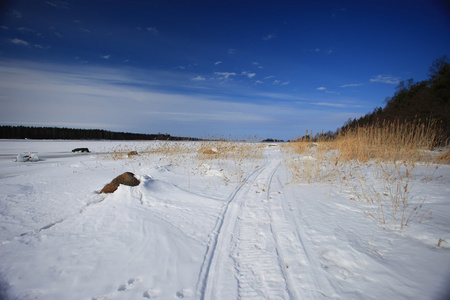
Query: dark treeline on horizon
{"x": 57, "y": 133}
{"x": 423, "y": 102}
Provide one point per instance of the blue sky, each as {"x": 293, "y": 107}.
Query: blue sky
{"x": 195, "y": 68}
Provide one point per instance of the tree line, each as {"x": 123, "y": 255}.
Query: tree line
{"x": 423, "y": 102}
{"x": 57, "y": 133}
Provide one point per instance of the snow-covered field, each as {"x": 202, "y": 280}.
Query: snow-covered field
{"x": 207, "y": 227}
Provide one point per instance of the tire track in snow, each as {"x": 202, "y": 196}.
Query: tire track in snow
{"x": 305, "y": 267}
{"x": 243, "y": 260}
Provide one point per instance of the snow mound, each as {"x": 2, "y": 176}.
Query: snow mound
{"x": 27, "y": 157}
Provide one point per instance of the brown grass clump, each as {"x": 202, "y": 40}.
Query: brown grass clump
{"x": 376, "y": 164}
{"x": 443, "y": 157}
{"x": 394, "y": 141}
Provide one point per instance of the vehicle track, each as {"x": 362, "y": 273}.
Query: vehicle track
{"x": 243, "y": 260}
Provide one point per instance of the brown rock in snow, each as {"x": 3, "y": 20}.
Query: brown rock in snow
{"x": 126, "y": 178}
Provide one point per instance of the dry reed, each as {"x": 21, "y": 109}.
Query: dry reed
{"x": 377, "y": 164}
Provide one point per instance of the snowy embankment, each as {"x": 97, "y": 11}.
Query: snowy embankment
{"x": 205, "y": 227}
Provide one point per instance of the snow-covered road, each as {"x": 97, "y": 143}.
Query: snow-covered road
{"x": 244, "y": 259}
{"x": 188, "y": 231}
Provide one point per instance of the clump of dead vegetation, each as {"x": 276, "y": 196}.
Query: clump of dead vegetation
{"x": 376, "y": 164}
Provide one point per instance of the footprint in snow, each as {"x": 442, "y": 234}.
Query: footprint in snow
{"x": 152, "y": 293}
{"x": 184, "y": 293}
{"x": 128, "y": 285}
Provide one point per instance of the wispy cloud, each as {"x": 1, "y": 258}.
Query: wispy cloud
{"x": 386, "y": 79}
{"x": 198, "y": 78}
{"x": 322, "y": 88}
{"x": 105, "y": 56}
{"x": 24, "y": 29}
{"x": 321, "y": 51}
{"x": 279, "y": 82}
{"x": 269, "y": 37}
{"x": 16, "y": 14}
{"x": 332, "y": 92}
{"x": 19, "y": 42}
{"x": 231, "y": 51}
{"x": 329, "y": 104}
{"x": 257, "y": 64}
{"x": 58, "y": 4}
{"x": 351, "y": 85}
{"x": 269, "y": 77}
{"x": 218, "y": 62}
{"x": 152, "y": 30}
{"x": 224, "y": 75}
{"x": 248, "y": 74}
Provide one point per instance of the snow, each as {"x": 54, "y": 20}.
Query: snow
{"x": 200, "y": 227}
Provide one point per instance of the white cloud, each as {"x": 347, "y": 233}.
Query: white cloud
{"x": 257, "y": 64}
{"x": 218, "y": 62}
{"x": 286, "y": 83}
{"x": 269, "y": 37}
{"x": 24, "y": 29}
{"x": 198, "y": 78}
{"x": 224, "y": 75}
{"x": 322, "y": 88}
{"x": 248, "y": 74}
{"x": 16, "y": 14}
{"x": 269, "y": 77}
{"x": 334, "y": 104}
{"x": 333, "y": 92}
{"x": 40, "y": 46}
{"x": 19, "y": 42}
{"x": 386, "y": 79}
{"x": 351, "y": 85}
{"x": 58, "y": 4}
{"x": 105, "y": 56}
{"x": 258, "y": 82}
{"x": 329, "y": 104}
{"x": 152, "y": 30}
{"x": 231, "y": 51}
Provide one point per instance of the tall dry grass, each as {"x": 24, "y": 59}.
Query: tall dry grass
{"x": 376, "y": 164}
{"x": 393, "y": 141}
{"x": 232, "y": 157}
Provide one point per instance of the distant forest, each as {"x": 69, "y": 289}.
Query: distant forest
{"x": 55, "y": 133}
{"x": 425, "y": 101}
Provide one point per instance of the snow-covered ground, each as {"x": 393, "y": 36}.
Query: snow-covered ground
{"x": 207, "y": 227}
